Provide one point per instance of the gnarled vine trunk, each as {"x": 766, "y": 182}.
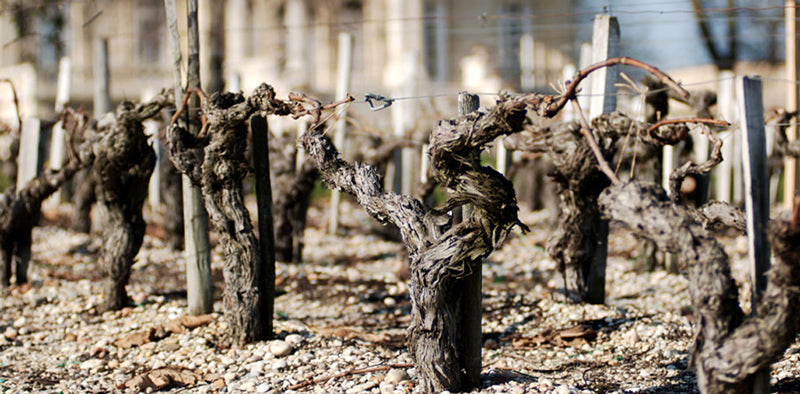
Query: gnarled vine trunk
{"x": 20, "y": 211}
{"x": 728, "y": 349}
{"x": 121, "y": 171}
{"x": 291, "y": 196}
{"x": 216, "y": 162}
{"x": 439, "y": 251}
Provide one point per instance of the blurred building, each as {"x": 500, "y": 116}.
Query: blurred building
{"x": 430, "y": 45}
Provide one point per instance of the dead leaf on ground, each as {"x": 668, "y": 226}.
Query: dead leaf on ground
{"x": 569, "y": 337}
{"x": 174, "y": 326}
{"x": 191, "y": 322}
{"x": 161, "y": 378}
{"x": 136, "y": 339}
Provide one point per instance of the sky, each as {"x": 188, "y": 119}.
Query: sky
{"x": 665, "y": 32}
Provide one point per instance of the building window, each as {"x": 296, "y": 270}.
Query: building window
{"x": 151, "y": 24}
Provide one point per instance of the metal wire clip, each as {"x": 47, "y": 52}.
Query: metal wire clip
{"x": 381, "y": 102}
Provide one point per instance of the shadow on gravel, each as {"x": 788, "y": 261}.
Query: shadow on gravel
{"x": 788, "y": 385}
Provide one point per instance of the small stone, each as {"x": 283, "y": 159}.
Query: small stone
{"x": 229, "y": 377}
{"x": 20, "y": 322}
{"x": 279, "y": 365}
{"x": 389, "y": 302}
{"x": 92, "y": 363}
{"x": 256, "y": 368}
{"x": 113, "y": 364}
{"x": 226, "y": 361}
{"x": 294, "y": 339}
{"x": 396, "y": 375}
{"x": 139, "y": 298}
{"x": 262, "y": 388}
{"x": 10, "y": 333}
{"x": 280, "y": 348}
{"x": 631, "y": 338}
{"x": 219, "y": 384}
{"x": 562, "y": 389}
{"x": 386, "y": 388}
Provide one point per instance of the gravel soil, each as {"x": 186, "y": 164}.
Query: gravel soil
{"x": 340, "y": 322}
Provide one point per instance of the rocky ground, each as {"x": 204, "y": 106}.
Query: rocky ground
{"x": 340, "y": 323}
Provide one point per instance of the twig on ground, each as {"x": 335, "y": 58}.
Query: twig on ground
{"x": 349, "y": 372}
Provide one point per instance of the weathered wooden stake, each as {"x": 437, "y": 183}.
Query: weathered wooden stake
{"x": 27, "y": 170}
{"x": 470, "y": 287}
{"x": 266, "y": 236}
{"x": 727, "y": 109}
{"x": 57, "y": 137}
{"x": 102, "y": 98}
{"x": 605, "y": 44}
{"x": 756, "y": 187}
{"x": 28, "y": 151}
{"x": 667, "y": 166}
{"x": 198, "y": 260}
{"x": 792, "y": 98}
{"x": 526, "y": 65}
{"x": 344, "y": 70}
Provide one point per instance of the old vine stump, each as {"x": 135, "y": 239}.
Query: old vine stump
{"x": 123, "y": 164}
{"x": 216, "y": 161}
{"x": 439, "y": 251}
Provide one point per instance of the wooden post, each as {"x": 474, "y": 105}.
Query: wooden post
{"x": 102, "y": 99}
{"x": 526, "y": 65}
{"x": 792, "y": 99}
{"x": 726, "y": 105}
{"x": 344, "y": 70}
{"x": 28, "y": 151}
{"x": 28, "y": 169}
{"x": 585, "y": 60}
{"x": 151, "y": 128}
{"x": 567, "y": 73}
{"x": 212, "y": 39}
{"x": 266, "y": 236}
{"x": 403, "y": 120}
{"x": 754, "y": 154}
{"x": 198, "y": 260}
{"x": 198, "y": 269}
{"x": 470, "y": 287}
{"x": 667, "y": 166}
{"x": 756, "y": 188}
{"x": 605, "y": 44}
{"x": 57, "y": 138}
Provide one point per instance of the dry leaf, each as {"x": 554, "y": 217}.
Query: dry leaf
{"x": 162, "y": 378}
{"x": 174, "y": 326}
{"x": 191, "y": 322}
{"x": 136, "y": 339}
